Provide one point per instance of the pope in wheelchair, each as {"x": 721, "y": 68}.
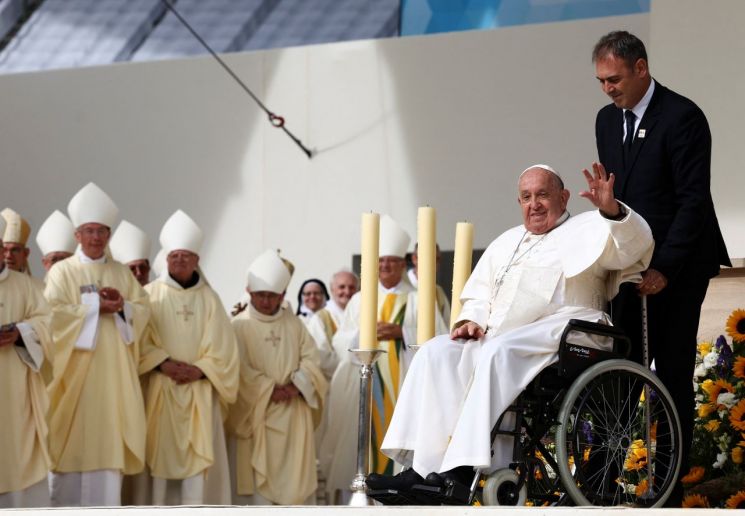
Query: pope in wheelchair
{"x": 529, "y": 283}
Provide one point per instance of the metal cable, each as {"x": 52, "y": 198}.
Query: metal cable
{"x": 274, "y": 119}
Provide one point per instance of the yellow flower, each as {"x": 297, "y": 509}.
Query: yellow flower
{"x": 738, "y": 368}
{"x": 736, "y": 501}
{"x": 695, "y": 474}
{"x": 705, "y": 409}
{"x": 641, "y": 488}
{"x": 737, "y": 454}
{"x": 636, "y": 457}
{"x": 704, "y": 348}
{"x": 737, "y": 415}
{"x": 736, "y": 324}
{"x": 586, "y": 454}
{"x": 712, "y": 426}
{"x": 714, "y": 389}
{"x": 695, "y": 501}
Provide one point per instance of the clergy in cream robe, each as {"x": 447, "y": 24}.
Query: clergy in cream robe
{"x": 275, "y": 451}
{"x": 523, "y": 291}
{"x": 322, "y": 326}
{"x": 97, "y": 416}
{"x": 188, "y": 325}
{"x": 23, "y": 404}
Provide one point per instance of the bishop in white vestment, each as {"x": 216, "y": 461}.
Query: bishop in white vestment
{"x": 528, "y": 284}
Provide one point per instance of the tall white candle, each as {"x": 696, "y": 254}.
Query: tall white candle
{"x": 461, "y": 265}
{"x": 426, "y": 274}
{"x": 369, "y": 281}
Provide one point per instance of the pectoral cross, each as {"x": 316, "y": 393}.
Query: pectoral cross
{"x": 186, "y": 313}
{"x": 273, "y": 339}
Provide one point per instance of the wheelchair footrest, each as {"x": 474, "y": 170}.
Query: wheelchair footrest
{"x": 454, "y": 493}
{"x": 395, "y": 497}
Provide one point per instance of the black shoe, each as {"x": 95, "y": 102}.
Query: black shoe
{"x": 401, "y": 482}
{"x": 462, "y": 475}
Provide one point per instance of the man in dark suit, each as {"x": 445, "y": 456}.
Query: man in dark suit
{"x": 658, "y": 145}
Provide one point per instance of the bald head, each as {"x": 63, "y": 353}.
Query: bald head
{"x": 344, "y": 284}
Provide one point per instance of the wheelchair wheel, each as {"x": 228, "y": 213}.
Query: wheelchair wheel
{"x": 618, "y": 438}
{"x": 501, "y": 488}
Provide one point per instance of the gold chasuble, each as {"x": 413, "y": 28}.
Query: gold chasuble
{"x": 189, "y": 325}
{"x": 386, "y": 380}
{"x": 96, "y": 416}
{"x": 24, "y": 460}
{"x": 275, "y": 452}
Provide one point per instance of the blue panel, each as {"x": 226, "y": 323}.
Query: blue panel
{"x": 432, "y": 16}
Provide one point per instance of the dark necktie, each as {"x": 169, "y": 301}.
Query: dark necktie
{"x": 630, "y": 119}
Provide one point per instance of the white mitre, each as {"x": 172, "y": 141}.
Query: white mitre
{"x": 268, "y": 273}
{"x": 17, "y": 229}
{"x": 129, "y": 243}
{"x": 91, "y": 204}
{"x": 159, "y": 264}
{"x": 181, "y": 233}
{"x": 394, "y": 241}
{"x": 56, "y": 234}
{"x": 2, "y": 227}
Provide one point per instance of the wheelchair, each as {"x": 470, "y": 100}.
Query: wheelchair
{"x": 593, "y": 428}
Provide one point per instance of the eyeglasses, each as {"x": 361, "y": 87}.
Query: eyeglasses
{"x": 89, "y": 232}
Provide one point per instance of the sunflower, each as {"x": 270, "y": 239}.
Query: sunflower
{"x": 736, "y": 325}
{"x": 737, "y": 455}
{"x": 704, "y": 348}
{"x": 641, "y": 488}
{"x": 737, "y": 416}
{"x": 714, "y": 389}
{"x": 695, "y": 475}
{"x": 695, "y": 500}
{"x": 636, "y": 457}
{"x": 738, "y": 368}
{"x": 736, "y": 501}
{"x": 712, "y": 426}
{"x": 705, "y": 409}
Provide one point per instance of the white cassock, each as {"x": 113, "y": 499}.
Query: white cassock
{"x": 322, "y": 326}
{"x": 524, "y": 290}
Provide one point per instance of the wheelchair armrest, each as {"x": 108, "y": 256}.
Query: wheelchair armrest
{"x": 621, "y": 343}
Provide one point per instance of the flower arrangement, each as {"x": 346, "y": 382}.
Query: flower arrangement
{"x": 717, "y": 475}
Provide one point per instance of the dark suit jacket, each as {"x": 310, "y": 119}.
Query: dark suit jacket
{"x": 667, "y": 181}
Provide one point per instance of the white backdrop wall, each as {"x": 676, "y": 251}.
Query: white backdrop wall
{"x": 698, "y": 49}
{"x": 446, "y": 120}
